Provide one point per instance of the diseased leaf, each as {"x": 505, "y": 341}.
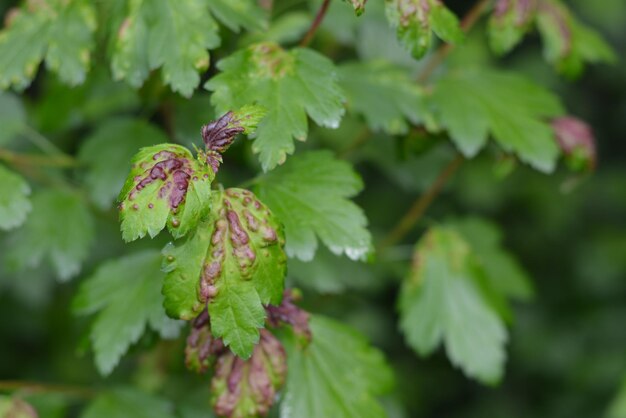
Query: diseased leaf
{"x": 309, "y": 194}
{"x": 59, "y": 31}
{"x": 234, "y": 261}
{"x": 289, "y": 84}
{"x": 128, "y": 402}
{"x": 509, "y": 23}
{"x": 384, "y": 94}
{"x": 415, "y": 20}
{"x": 59, "y": 229}
{"x": 475, "y": 104}
{"x": 12, "y": 117}
{"x": 126, "y": 295}
{"x": 358, "y": 5}
{"x": 237, "y": 14}
{"x": 441, "y": 303}
{"x": 246, "y": 388}
{"x": 166, "y": 34}
{"x": 166, "y": 186}
{"x": 14, "y": 203}
{"x": 107, "y": 153}
{"x": 337, "y": 375}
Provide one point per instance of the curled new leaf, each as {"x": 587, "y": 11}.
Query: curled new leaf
{"x": 415, "y": 20}
{"x": 246, "y": 388}
{"x": 235, "y": 262}
{"x": 576, "y": 140}
{"x": 166, "y": 185}
{"x": 510, "y": 20}
{"x": 202, "y": 348}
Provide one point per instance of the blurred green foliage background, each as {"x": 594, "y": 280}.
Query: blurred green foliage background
{"x": 567, "y": 349}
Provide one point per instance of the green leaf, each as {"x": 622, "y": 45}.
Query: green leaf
{"x": 59, "y": 31}
{"x": 337, "y": 375}
{"x": 289, "y": 84}
{"x": 508, "y": 24}
{"x": 473, "y": 104}
{"x": 440, "y": 302}
{"x": 14, "y": 203}
{"x": 617, "y": 408}
{"x": 384, "y": 94}
{"x": 166, "y": 186}
{"x": 309, "y": 194}
{"x": 237, "y": 14}
{"x": 60, "y": 228}
{"x": 569, "y": 44}
{"x": 12, "y": 117}
{"x": 415, "y": 20}
{"x": 166, "y": 34}
{"x": 234, "y": 261}
{"x": 126, "y": 295}
{"x": 128, "y": 402}
{"x": 107, "y": 153}
{"x": 503, "y": 278}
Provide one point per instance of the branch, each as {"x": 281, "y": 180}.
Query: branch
{"x": 321, "y": 13}
{"x": 33, "y": 387}
{"x": 469, "y": 20}
{"x": 419, "y": 207}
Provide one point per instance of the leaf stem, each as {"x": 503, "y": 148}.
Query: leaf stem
{"x": 469, "y": 20}
{"x": 420, "y": 205}
{"x": 33, "y": 387}
{"x": 61, "y": 161}
{"x": 321, "y": 13}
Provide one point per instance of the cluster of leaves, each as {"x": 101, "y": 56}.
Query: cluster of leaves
{"x": 225, "y": 272}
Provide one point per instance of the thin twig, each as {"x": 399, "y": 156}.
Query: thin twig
{"x": 60, "y": 161}
{"x": 321, "y": 13}
{"x": 469, "y": 20}
{"x": 34, "y": 387}
{"x": 419, "y": 207}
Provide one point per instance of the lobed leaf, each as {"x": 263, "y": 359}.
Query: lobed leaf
{"x": 59, "y": 228}
{"x": 309, "y": 194}
{"x": 440, "y": 302}
{"x": 59, "y": 31}
{"x": 472, "y": 105}
{"x": 336, "y": 375}
{"x": 166, "y": 186}
{"x": 125, "y": 294}
{"x": 289, "y": 84}
{"x": 234, "y": 261}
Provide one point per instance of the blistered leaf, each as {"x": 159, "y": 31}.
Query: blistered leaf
{"x": 247, "y": 388}
{"x": 59, "y": 31}
{"x": 508, "y": 24}
{"x": 14, "y": 203}
{"x": 309, "y": 194}
{"x": 166, "y": 34}
{"x": 384, "y": 94}
{"x": 60, "y": 229}
{"x": 441, "y": 303}
{"x": 237, "y": 14}
{"x": 336, "y": 375}
{"x": 126, "y": 295}
{"x": 415, "y": 20}
{"x": 289, "y": 84}
{"x": 234, "y": 261}
{"x": 166, "y": 186}
{"x": 107, "y": 153}
{"x": 569, "y": 44}
{"x": 202, "y": 348}
{"x": 128, "y": 402}
{"x": 12, "y": 117}
{"x": 472, "y": 105}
